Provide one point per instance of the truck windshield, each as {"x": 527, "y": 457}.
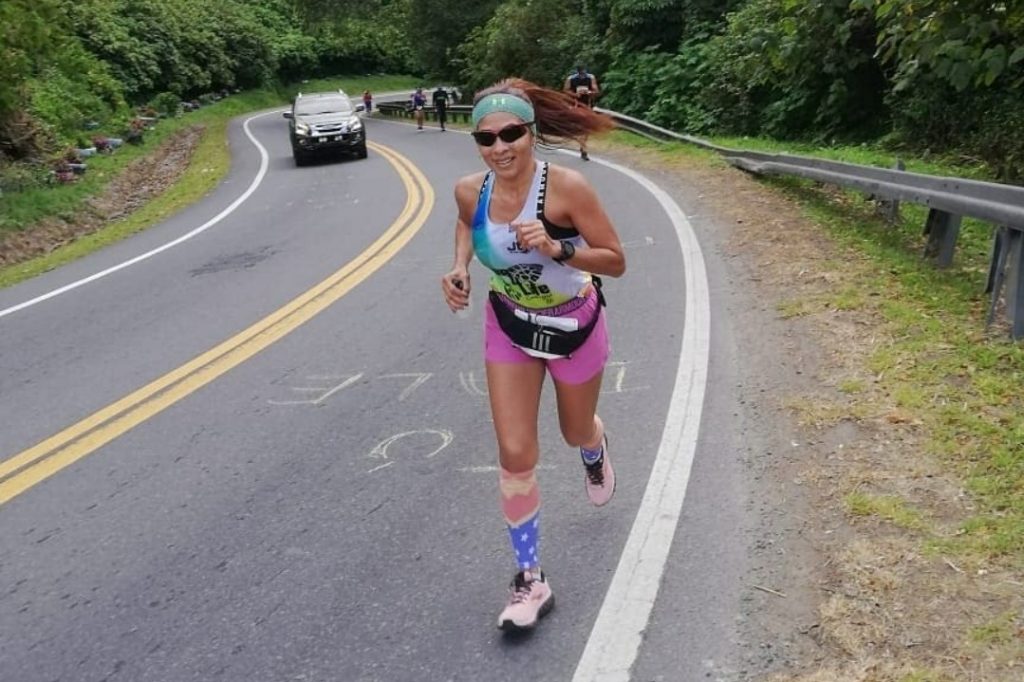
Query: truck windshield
{"x": 326, "y": 105}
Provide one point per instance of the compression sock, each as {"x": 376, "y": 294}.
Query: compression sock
{"x": 520, "y": 503}
{"x": 593, "y": 453}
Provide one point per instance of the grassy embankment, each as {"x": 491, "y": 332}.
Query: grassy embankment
{"x": 957, "y": 393}
{"x": 210, "y": 162}
{"x": 966, "y": 385}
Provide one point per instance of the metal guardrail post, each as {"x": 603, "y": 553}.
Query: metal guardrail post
{"x": 942, "y": 230}
{"x": 996, "y": 268}
{"x": 1006, "y": 273}
{"x": 1015, "y": 283}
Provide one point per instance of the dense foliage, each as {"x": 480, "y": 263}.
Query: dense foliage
{"x": 67, "y": 62}
{"x": 935, "y": 75}
{"x": 939, "y": 75}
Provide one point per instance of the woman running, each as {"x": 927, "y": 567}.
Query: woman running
{"x": 543, "y": 233}
{"x": 419, "y": 102}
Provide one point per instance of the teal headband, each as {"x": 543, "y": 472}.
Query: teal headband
{"x": 510, "y": 104}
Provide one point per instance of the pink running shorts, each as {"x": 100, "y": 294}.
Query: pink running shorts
{"x": 582, "y": 366}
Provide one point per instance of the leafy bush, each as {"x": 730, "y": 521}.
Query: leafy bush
{"x": 21, "y": 176}
{"x": 166, "y": 103}
{"x": 796, "y": 69}
{"x": 75, "y": 89}
{"x": 963, "y": 43}
{"x": 983, "y": 125}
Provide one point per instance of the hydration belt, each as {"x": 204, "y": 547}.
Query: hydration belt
{"x": 544, "y": 336}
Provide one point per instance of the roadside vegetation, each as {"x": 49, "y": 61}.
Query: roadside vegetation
{"x": 204, "y": 163}
{"x": 935, "y": 573}
{"x": 927, "y": 583}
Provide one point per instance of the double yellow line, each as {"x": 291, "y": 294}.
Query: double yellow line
{"x": 27, "y": 468}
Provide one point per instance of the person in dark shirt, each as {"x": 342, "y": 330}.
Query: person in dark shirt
{"x": 441, "y": 106}
{"x": 583, "y": 86}
{"x": 419, "y": 102}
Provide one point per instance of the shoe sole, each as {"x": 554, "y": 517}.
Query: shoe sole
{"x": 512, "y": 626}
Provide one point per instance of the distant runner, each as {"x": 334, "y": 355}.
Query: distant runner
{"x": 583, "y": 86}
{"x": 441, "y": 105}
{"x": 419, "y": 101}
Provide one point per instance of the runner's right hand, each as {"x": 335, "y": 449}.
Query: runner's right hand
{"x": 456, "y": 287}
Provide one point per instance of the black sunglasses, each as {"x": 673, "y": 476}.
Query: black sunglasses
{"x": 508, "y": 134}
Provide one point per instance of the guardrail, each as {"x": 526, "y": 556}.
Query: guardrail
{"x": 948, "y": 199}
{"x": 455, "y": 111}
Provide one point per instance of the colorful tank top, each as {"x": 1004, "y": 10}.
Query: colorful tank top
{"x": 528, "y": 277}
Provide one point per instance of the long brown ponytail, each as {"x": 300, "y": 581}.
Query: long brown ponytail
{"x": 557, "y": 114}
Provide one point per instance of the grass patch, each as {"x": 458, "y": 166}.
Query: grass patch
{"x": 795, "y": 308}
{"x": 818, "y": 412}
{"x": 852, "y": 386}
{"x": 889, "y": 508}
{"x": 925, "y": 676}
{"x": 861, "y": 154}
{"x": 999, "y": 631}
{"x": 665, "y": 150}
{"x": 210, "y": 163}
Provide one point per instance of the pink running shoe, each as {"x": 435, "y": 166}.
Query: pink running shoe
{"x": 529, "y": 600}
{"x": 600, "y": 478}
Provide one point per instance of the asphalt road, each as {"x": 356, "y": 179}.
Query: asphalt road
{"x": 316, "y": 498}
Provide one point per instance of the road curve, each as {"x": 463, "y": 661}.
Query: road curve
{"x": 325, "y": 508}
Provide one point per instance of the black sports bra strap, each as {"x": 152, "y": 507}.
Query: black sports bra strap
{"x": 554, "y": 231}
{"x": 542, "y": 190}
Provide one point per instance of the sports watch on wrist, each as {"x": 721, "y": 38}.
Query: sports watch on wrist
{"x": 568, "y": 251}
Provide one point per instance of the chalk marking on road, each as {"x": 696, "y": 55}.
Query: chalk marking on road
{"x": 421, "y": 378}
{"x": 29, "y": 467}
{"x": 325, "y": 394}
{"x": 468, "y": 381}
{"x": 264, "y": 164}
{"x": 380, "y": 451}
{"x": 620, "y": 377}
{"x": 615, "y": 639}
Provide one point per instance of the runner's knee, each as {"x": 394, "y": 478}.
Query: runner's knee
{"x": 517, "y": 454}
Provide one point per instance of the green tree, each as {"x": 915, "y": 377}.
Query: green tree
{"x": 436, "y": 28}
{"x": 25, "y": 30}
{"x": 958, "y": 72}
{"x": 539, "y": 40}
{"x": 790, "y": 68}
{"x": 49, "y": 83}
{"x": 964, "y": 43}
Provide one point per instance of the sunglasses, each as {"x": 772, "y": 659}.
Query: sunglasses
{"x": 508, "y": 134}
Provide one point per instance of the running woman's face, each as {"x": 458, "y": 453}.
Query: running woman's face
{"x": 506, "y": 159}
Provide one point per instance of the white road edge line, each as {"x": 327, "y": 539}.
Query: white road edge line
{"x": 615, "y": 639}
{"x": 264, "y": 164}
